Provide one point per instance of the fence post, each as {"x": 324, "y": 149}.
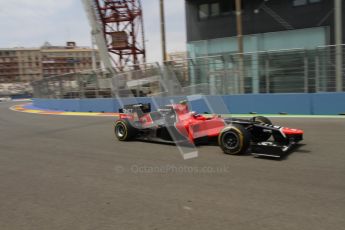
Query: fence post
{"x": 267, "y": 73}
{"x": 60, "y": 88}
{"x": 306, "y": 73}
{"x": 191, "y": 75}
{"x": 223, "y": 76}
{"x": 255, "y": 73}
{"x": 96, "y": 84}
{"x": 35, "y": 88}
{"x": 47, "y": 89}
{"x": 317, "y": 72}
{"x": 81, "y": 86}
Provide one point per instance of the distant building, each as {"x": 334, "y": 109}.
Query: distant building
{"x": 177, "y": 56}
{"x": 178, "y": 60}
{"x": 9, "y": 67}
{"x": 30, "y": 64}
{"x": 58, "y": 60}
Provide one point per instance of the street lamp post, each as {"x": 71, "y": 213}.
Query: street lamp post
{"x": 338, "y": 46}
{"x": 162, "y": 21}
{"x": 240, "y": 44}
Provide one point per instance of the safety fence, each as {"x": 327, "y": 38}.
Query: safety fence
{"x": 280, "y": 71}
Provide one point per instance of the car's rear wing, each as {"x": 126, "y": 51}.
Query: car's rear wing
{"x": 136, "y": 108}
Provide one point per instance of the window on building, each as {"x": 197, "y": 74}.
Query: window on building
{"x": 304, "y": 2}
{"x": 208, "y": 10}
{"x": 300, "y": 2}
{"x": 214, "y": 9}
{"x": 203, "y": 11}
{"x": 217, "y": 8}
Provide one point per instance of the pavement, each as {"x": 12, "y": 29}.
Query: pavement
{"x": 68, "y": 172}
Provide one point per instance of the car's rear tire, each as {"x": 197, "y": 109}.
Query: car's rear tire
{"x": 257, "y": 134}
{"x": 234, "y": 139}
{"x": 124, "y": 131}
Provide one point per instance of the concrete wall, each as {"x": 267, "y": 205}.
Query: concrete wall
{"x": 317, "y": 103}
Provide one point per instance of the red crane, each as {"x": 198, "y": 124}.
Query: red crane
{"x": 122, "y": 22}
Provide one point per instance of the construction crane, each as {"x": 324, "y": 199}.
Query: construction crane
{"x": 117, "y": 29}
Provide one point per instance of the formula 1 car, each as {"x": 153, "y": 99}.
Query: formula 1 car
{"x": 176, "y": 124}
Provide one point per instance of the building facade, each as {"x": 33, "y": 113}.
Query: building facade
{"x": 268, "y": 25}
{"x": 178, "y": 61}
{"x": 29, "y": 64}
{"x": 59, "y": 60}
{"x": 9, "y": 67}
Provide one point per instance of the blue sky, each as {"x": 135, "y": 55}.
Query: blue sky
{"x": 29, "y": 23}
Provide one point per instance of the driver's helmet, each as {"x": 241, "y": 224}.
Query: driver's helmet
{"x": 182, "y": 107}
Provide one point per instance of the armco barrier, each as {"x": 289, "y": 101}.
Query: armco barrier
{"x": 328, "y": 103}
{"x": 316, "y": 103}
{"x": 269, "y": 103}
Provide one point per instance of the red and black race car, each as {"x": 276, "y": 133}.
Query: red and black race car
{"x": 176, "y": 124}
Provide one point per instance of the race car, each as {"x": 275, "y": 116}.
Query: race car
{"x": 176, "y": 124}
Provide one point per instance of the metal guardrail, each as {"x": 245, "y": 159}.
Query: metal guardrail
{"x": 281, "y": 71}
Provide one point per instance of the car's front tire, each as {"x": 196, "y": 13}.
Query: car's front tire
{"x": 234, "y": 139}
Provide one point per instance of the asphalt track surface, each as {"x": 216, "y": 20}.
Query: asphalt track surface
{"x": 61, "y": 172}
